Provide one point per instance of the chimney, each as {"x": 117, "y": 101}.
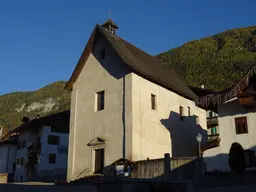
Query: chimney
{"x": 25, "y": 119}
{"x": 202, "y": 86}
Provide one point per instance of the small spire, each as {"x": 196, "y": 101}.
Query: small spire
{"x": 109, "y": 25}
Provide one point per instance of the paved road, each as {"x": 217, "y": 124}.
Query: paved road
{"x": 43, "y": 188}
{"x": 244, "y": 188}
{"x": 39, "y": 187}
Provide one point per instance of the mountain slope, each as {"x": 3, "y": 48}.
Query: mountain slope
{"x": 49, "y": 99}
{"x": 216, "y": 61}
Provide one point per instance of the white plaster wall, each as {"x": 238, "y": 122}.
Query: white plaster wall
{"x": 86, "y": 124}
{"x": 3, "y": 159}
{"x": 61, "y": 158}
{"x": 12, "y": 157}
{"x": 217, "y": 158}
{"x": 43, "y": 165}
{"x": 155, "y": 132}
{"x": 20, "y": 169}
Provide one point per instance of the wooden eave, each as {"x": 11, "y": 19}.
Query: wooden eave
{"x": 227, "y": 94}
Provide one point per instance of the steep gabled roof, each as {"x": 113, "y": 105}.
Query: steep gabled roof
{"x": 139, "y": 62}
{"x": 200, "y": 92}
{"x": 59, "y": 120}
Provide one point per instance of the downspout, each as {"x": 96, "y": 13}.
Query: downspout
{"x": 123, "y": 117}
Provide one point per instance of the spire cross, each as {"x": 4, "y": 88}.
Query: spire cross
{"x": 109, "y": 14}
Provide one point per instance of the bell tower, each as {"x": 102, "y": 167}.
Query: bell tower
{"x": 110, "y": 26}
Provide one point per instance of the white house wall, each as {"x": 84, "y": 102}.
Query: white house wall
{"x": 12, "y": 157}
{"x": 3, "y": 158}
{"x": 217, "y": 158}
{"x": 22, "y": 152}
{"x": 155, "y": 132}
{"x": 8, "y": 154}
{"x": 43, "y": 168}
{"x": 61, "y": 158}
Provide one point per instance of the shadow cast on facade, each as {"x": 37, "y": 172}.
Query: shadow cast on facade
{"x": 183, "y": 134}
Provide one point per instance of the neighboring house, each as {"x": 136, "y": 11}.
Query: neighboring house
{"x": 42, "y": 148}
{"x": 211, "y": 115}
{"x": 236, "y": 121}
{"x": 8, "y": 152}
{"x": 126, "y": 103}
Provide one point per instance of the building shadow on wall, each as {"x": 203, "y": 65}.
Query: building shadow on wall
{"x": 183, "y": 132}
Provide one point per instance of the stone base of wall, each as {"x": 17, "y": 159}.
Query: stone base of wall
{"x": 3, "y": 177}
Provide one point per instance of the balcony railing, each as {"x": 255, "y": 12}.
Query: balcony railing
{"x": 213, "y": 137}
{"x": 212, "y": 121}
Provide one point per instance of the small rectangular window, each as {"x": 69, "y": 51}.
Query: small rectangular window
{"x": 52, "y": 158}
{"x": 100, "y": 100}
{"x": 153, "y": 102}
{"x": 22, "y": 161}
{"x": 53, "y": 140}
{"x": 24, "y": 144}
{"x": 214, "y": 131}
{"x": 181, "y": 113}
{"x": 241, "y": 125}
{"x": 188, "y": 111}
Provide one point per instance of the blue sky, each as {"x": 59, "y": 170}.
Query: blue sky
{"x": 41, "y": 41}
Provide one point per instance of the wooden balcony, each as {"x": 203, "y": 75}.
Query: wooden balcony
{"x": 212, "y": 121}
{"x": 213, "y": 137}
{"x": 213, "y": 141}
{"x": 34, "y": 148}
{"x": 248, "y": 102}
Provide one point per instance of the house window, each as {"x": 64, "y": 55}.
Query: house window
{"x": 24, "y": 144}
{"x": 214, "y": 131}
{"x": 181, "y": 113}
{"x": 241, "y": 125}
{"x": 102, "y": 54}
{"x": 22, "y": 161}
{"x": 100, "y": 100}
{"x": 53, "y": 140}
{"x": 153, "y": 102}
{"x": 188, "y": 111}
{"x": 37, "y": 159}
{"x": 210, "y": 114}
{"x": 52, "y": 158}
